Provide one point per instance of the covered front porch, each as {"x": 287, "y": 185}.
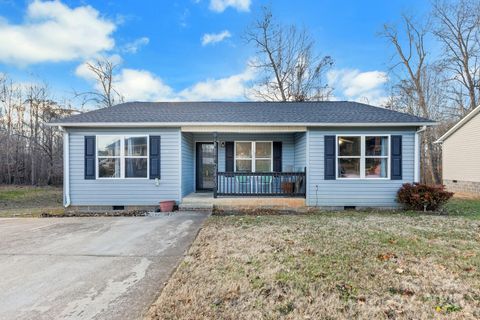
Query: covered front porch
{"x": 261, "y": 162}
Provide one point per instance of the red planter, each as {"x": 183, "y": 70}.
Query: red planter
{"x": 167, "y": 206}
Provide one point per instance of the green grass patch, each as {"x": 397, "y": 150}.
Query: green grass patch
{"x": 464, "y": 208}
{"x": 29, "y": 201}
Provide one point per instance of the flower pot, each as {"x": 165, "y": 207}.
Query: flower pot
{"x": 167, "y": 206}
{"x": 287, "y": 187}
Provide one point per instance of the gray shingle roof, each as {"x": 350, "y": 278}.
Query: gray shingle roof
{"x": 328, "y": 112}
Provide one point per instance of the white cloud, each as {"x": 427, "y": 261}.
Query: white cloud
{"x": 234, "y": 87}
{"x": 132, "y": 84}
{"x": 352, "y": 84}
{"x": 141, "y": 85}
{"x": 134, "y": 46}
{"x": 211, "y": 38}
{"x": 221, "y": 5}
{"x": 54, "y": 32}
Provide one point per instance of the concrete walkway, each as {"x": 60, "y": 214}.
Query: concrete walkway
{"x": 89, "y": 268}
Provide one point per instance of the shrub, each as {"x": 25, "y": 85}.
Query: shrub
{"x": 423, "y": 197}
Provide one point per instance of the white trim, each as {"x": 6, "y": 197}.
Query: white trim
{"x": 307, "y": 165}
{"x": 180, "y": 172}
{"x": 239, "y": 124}
{"x": 66, "y": 169}
{"x": 416, "y": 161}
{"x": 253, "y": 158}
{"x": 243, "y": 129}
{"x": 122, "y": 156}
{"x": 362, "y": 156}
{"x": 458, "y": 125}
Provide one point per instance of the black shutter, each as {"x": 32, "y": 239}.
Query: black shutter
{"x": 277, "y": 156}
{"x": 90, "y": 158}
{"x": 396, "y": 143}
{"x": 329, "y": 152}
{"x": 154, "y": 157}
{"x": 229, "y": 156}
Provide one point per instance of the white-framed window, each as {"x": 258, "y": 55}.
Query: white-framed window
{"x": 253, "y": 156}
{"x": 363, "y": 156}
{"x": 122, "y": 156}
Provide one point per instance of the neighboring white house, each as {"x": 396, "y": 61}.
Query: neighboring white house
{"x": 461, "y": 154}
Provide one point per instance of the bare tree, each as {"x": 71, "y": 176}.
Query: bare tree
{"x": 289, "y": 68}
{"x": 105, "y": 94}
{"x": 31, "y": 150}
{"x": 457, "y": 27}
{"x": 415, "y": 81}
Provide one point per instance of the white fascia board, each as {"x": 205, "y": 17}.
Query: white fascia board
{"x": 243, "y": 124}
{"x": 458, "y": 125}
{"x": 239, "y": 129}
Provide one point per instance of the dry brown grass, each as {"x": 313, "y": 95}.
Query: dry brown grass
{"x": 328, "y": 266}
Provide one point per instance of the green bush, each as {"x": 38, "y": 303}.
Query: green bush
{"x": 423, "y": 197}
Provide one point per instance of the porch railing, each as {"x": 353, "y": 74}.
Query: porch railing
{"x": 266, "y": 184}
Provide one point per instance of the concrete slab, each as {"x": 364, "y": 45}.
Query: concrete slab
{"x": 89, "y": 268}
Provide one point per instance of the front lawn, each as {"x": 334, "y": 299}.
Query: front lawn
{"x": 346, "y": 265}
{"x": 29, "y": 201}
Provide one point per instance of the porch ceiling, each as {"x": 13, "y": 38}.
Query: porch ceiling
{"x": 244, "y": 129}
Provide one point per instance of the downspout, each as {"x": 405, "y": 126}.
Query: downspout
{"x": 416, "y": 175}
{"x": 66, "y": 168}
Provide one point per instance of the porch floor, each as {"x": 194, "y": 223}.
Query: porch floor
{"x": 205, "y": 200}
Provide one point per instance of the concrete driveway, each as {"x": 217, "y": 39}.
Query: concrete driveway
{"x": 89, "y": 268}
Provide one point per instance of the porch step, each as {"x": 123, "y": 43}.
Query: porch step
{"x": 192, "y": 206}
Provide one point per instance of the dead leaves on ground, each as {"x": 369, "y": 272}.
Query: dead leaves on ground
{"x": 386, "y": 256}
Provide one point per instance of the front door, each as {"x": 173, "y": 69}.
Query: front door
{"x": 205, "y": 166}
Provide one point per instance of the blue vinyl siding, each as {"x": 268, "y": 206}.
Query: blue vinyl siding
{"x": 300, "y": 140}
{"x": 368, "y": 193}
{"x": 109, "y": 192}
{"x": 287, "y": 139}
{"x": 178, "y": 168}
{"x": 188, "y": 164}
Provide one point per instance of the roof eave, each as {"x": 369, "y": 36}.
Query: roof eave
{"x": 458, "y": 125}
{"x": 265, "y": 124}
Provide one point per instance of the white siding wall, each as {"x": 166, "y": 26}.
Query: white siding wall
{"x": 461, "y": 153}
{"x": 369, "y": 193}
{"x": 125, "y": 191}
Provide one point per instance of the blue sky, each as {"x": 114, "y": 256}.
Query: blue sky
{"x": 162, "y": 52}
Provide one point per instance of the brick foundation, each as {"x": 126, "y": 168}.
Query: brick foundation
{"x": 470, "y": 187}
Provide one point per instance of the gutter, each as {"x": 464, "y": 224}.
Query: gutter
{"x": 66, "y": 168}
{"x": 242, "y": 124}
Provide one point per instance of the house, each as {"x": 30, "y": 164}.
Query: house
{"x": 461, "y": 155}
{"x": 329, "y": 154}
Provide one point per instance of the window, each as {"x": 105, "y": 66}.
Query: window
{"x": 253, "y": 156}
{"x": 349, "y": 157}
{"x": 376, "y": 157}
{"x": 363, "y": 157}
{"x": 122, "y": 156}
